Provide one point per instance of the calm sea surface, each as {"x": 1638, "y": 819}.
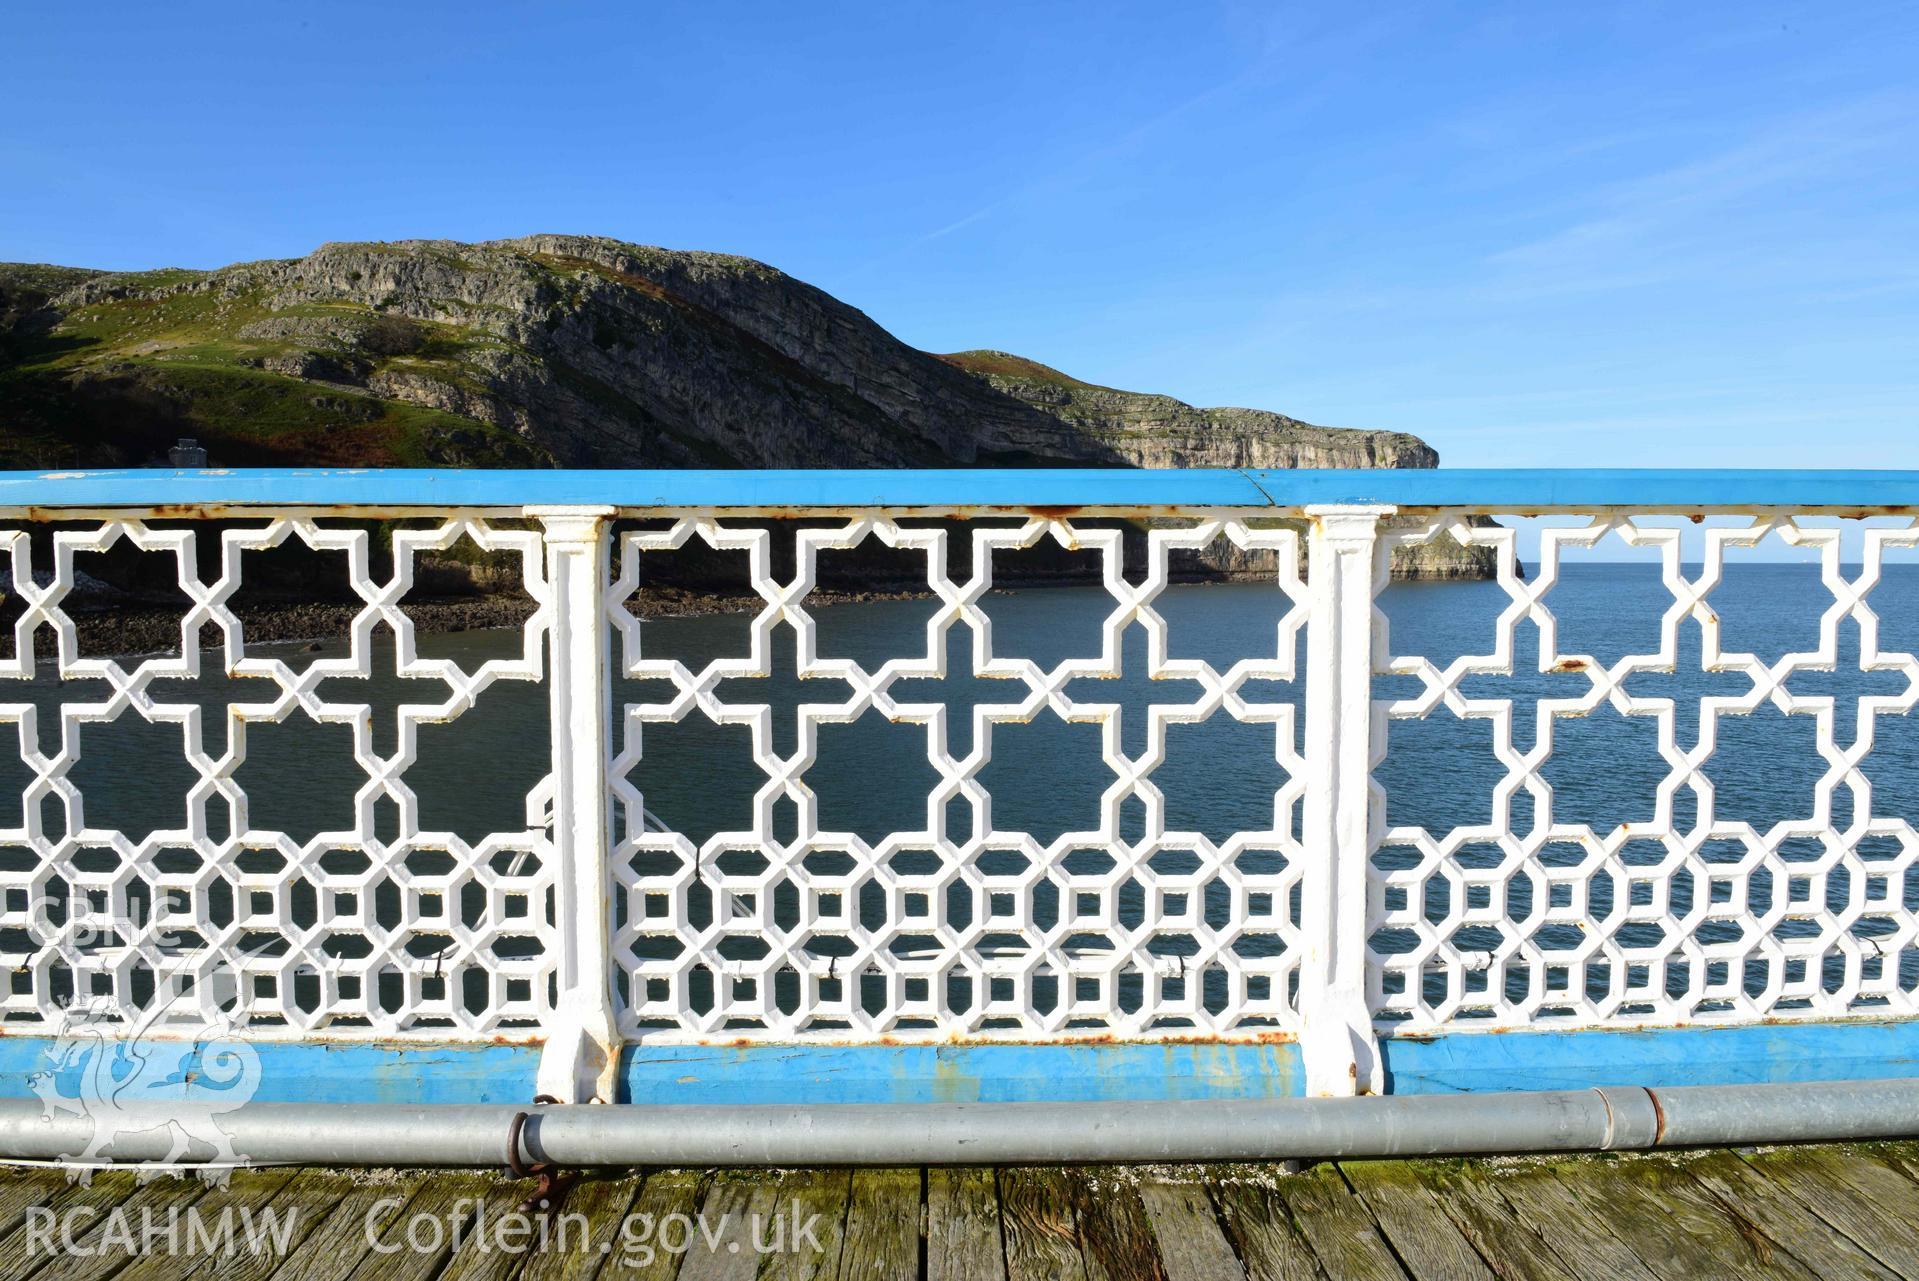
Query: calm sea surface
{"x": 872, "y": 777}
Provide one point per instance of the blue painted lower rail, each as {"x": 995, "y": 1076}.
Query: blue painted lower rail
{"x": 1456, "y": 1063}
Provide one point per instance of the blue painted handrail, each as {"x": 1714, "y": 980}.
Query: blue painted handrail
{"x": 1501, "y": 490}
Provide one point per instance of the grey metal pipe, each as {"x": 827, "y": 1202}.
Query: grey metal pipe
{"x": 1005, "y": 1133}
{"x": 1829, "y": 1111}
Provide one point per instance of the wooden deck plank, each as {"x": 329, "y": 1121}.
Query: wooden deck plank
{"x": 721, "y": 1245}
{"x": 1501, "y": 1237}
{"x": 1823, "y": 1248}
{"x": 20, "y": 1248}
{"x": 1115, "y": 1238}
{"x": 416, "y": 1242}
{"x": 1038, "y": 1226}
{"x": 1676, "y": 1226}
{"x": 103, "y": 1253}
{"x": 1870, "y": 1206}
{"x": 1576, "y": 1225}
{"x": 239, "y": 1203}
{"x": 22, "y": 1188}
{"x": 666, "y": 1195}
{"x": 882, "y": 1239}
{"x": 1902, "y": 1154}
{"x": 1191, "y": 1245}
{"x": 338, "y": 1241}
{"x": 500, "y": 1235}
{"x": 20, "y": 1243}
{"x": 576, "y": 1253}
{"x": 302, "y": 1204}
{"x": 809, "y": 1232}
{"x": 1260, "y": 1227}
{"x": 963, "y": 1226}
{"x": 1869, "y": 1175}
{"x": 1338, "y": 1226}
{"x": 1428, "y": 1243}
{"x": 1779, "y": 1215}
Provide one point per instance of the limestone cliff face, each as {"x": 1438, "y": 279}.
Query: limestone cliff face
{"x": 1159, "y": 431}
{"x": 562, "y": 351}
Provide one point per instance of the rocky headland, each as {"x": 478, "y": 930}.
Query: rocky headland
{"x": 575, "y": 351}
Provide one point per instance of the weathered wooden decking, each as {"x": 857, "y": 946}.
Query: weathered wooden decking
{"x": 1832, "y": 1211}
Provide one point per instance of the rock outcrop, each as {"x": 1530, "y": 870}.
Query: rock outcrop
{"x": 1158, "y": 431}
{"x": 567, "y": 351}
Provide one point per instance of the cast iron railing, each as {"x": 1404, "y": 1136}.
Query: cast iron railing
{"x": 598, "y": 923}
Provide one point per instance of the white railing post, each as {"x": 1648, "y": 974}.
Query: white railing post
{"x": 1336, "y": 1041}
{"x": 580, "y": 1063}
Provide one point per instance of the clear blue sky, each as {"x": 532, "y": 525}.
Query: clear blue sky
{"x": 1534, "y": 233}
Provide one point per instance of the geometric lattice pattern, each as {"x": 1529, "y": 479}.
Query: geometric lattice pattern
{"x": 380, "y": 929}
{"x": 788, "y": 929}
{"x": 1694, "y": 916}
{"x": 878, "y": 946}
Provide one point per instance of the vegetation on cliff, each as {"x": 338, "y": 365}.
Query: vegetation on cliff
{"x": 565, "y": 351}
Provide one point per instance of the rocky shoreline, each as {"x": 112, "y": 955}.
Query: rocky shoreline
{"x": 122, "y": 626}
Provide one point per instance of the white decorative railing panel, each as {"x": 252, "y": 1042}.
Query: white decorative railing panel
{"x": 376, "y": 927}
{"x": 957, "y": 941}
{"x": 1738, "y": 886}
{"x": 758, "y": 759}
